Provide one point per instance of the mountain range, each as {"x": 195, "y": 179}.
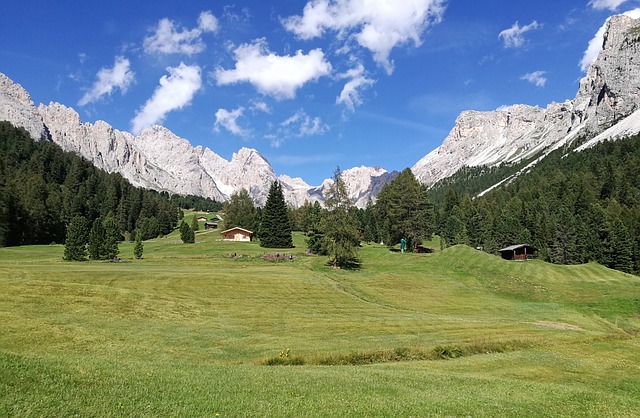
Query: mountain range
{"x": 606, "y": 106}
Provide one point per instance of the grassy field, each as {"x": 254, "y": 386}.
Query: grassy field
{"x": 190, "y": 330}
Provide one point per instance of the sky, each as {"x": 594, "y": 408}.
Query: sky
{"x": 311, "y": 84}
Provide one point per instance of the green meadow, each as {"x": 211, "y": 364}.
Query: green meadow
{"x": 216, "y": 329}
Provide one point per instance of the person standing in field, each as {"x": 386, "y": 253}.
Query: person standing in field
{"x": 403, "y": 242}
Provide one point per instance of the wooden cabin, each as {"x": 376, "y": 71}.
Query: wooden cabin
{"x": 519, "y": 252}
{"x": 211, "y": 224}
{"x": 237, "y": 234}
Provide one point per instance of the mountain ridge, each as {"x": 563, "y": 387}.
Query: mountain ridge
{"x": 159, "y": 159}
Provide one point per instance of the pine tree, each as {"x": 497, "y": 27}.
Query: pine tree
{"x": 340, "y": 226}
{"x": 76, "y": 240}
{"x": 138, "y": 248}
{"x": 240, "y": 211}
{"x": 275, "y": 228}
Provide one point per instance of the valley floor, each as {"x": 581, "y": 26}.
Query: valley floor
{"x": 188, "y": 331}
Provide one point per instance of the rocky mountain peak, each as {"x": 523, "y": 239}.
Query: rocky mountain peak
{"x": 609, "y": 92}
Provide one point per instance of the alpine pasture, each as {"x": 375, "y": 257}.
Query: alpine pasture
{"x": 216, "y": 329}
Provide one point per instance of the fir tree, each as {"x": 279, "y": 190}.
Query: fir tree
{"x": 275, "y": 228}
{"x": 76, "y": 240}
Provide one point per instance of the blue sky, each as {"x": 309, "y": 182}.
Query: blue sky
{"x": 310, "y": 84}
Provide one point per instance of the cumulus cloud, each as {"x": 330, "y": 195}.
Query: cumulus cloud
{"x": 350, "y": 95}
{"x": 174, "y": 92}
{"x": 514, "y": 36}
{"x": 168, "y": 39}
{"x": 537, "y": 77}
{"x": 229, "y": 121}
{"x": 606, "y": 4}
{"x": 595, "y": 44}
{"x": 119, "y": 76}
{"x": 377, "y": 25}
{"x": 271, "y": 74}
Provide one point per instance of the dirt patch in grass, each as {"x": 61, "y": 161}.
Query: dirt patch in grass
{"x": 558, "y": 325}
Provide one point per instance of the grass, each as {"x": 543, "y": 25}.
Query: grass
{"x": 189, "y": 329}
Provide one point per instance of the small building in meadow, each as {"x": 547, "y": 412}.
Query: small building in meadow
{"x": 519, "y": 252}
{"x": 202, "y": 219}
{"x": 211, "y": 224}
{"x": 237, "y": 234}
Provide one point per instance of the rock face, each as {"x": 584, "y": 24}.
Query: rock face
{"x": 16, "y": 106}
{"x": 609, "y": 92}
{"x": 158, "y": 159}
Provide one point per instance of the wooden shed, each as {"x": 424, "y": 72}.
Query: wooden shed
{"x": 519, "y": 252}
{"x": 237, "y": 234}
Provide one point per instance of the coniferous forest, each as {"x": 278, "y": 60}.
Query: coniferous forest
{"x": 42, "y": 188}
{"x": 575, "y": 207}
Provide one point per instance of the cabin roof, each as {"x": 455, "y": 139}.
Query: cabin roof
{"x": 517, "y": 246}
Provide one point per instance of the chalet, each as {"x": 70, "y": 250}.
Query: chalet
{"x": 519, "y": 252}
{"x": 202, "y": 219}
{"x": 237, "y": 234}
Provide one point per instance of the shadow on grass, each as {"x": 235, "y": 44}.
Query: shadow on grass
{"x": 351, "y": 265}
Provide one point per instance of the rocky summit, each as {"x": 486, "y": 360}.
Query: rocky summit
{"x": 609, "y": 93}
{"x": 604, "y": 107}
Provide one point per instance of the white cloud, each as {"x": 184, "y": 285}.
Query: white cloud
{"x": 271, "y": 74}
{"x": 378, "y": 25}
{"x": 229, "y": 121}
{"x": 260, "y": 106}
{"x": 301, "y": 124}
{"x": 595, "y": 44}
{"x": 119, "y": 76}
{"x": 537, "y": 77}
{"x": 174, "y": 92}
{"x": 350, "y": 95}
{"x": 514, "y": 36}
{"x": 606, "y": 4}
{"x": 168, "y": 39}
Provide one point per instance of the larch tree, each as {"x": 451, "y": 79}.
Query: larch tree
{"x": 340, "y": 226}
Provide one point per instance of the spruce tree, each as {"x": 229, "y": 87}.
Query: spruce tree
{"x": 76, "y": 240}
{"x": 275, "y": 228}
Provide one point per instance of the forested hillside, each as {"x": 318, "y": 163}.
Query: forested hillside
{"x": 42, "y": 188}
{"x": 574, "y": 206}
